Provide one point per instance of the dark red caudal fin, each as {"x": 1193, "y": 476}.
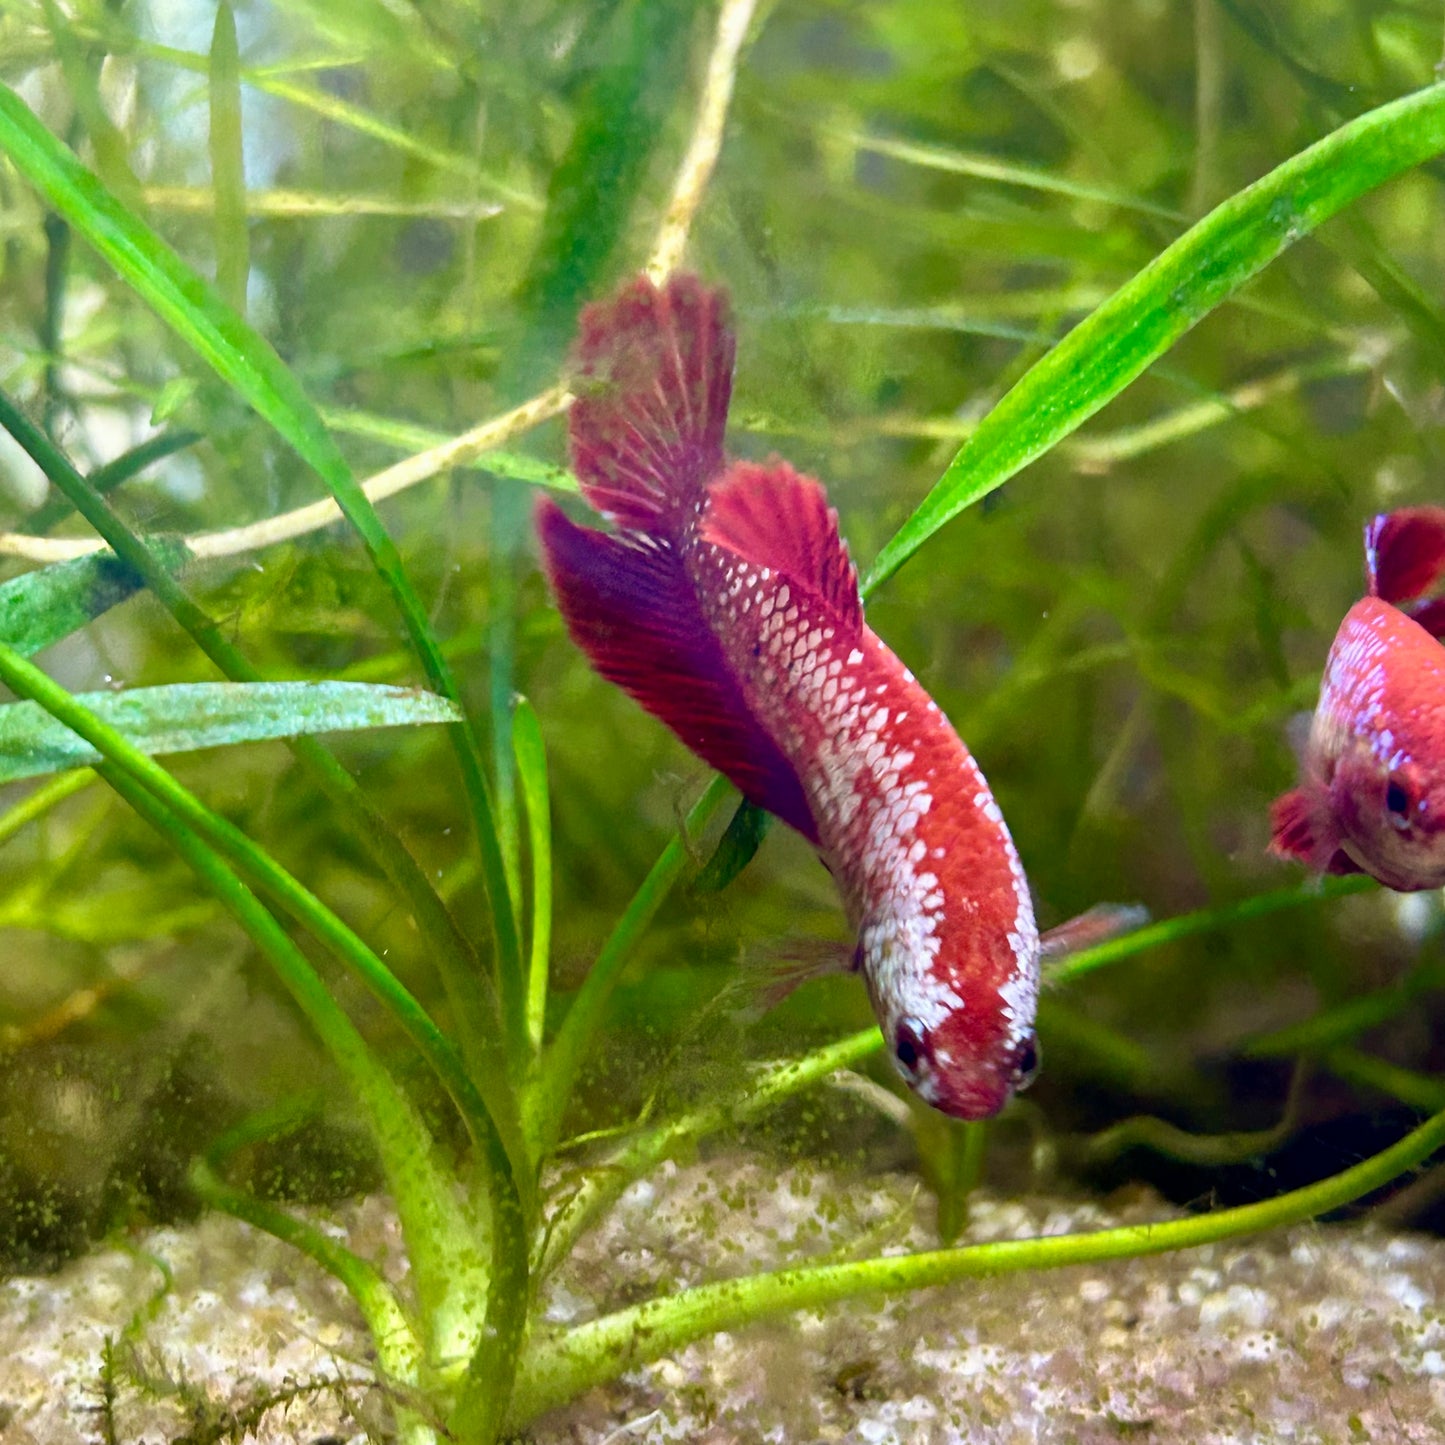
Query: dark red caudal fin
{"x": 775, "y": 518}
{"x": 652, "y": 375}
{"x": 630, "y": 606}
{"x": 1405, "y": 554}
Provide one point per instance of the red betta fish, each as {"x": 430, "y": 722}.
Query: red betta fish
{"x": 1372, "y": 773}
{"x": 726, "y": 604}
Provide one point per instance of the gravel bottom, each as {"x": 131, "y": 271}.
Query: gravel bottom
{"x": 1324, "y": 1334}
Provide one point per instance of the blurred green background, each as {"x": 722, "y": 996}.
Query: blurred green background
{"x": 914, "y": 199}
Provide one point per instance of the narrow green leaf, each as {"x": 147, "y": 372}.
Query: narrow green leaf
{"x": 1212, "y": 260}
{"x": 228, "y": 174}
{"x": 632, "y": 58}
{"x": 185, "y": 716}
{"x": 562, "y": 1366}
{"x": 437, "y": 1220}
{"x": 532, "y": 772}
{"x": 43, "y": 606}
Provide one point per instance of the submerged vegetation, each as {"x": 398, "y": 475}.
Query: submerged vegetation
{"x": 252, "y": 263}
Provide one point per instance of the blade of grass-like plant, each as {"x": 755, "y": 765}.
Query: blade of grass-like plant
{"x": 247, "y": 362}
{"x": 1107, "y": 350}
{"x": 629, "y": 63}
{"x": 558, "y": 1369}
{"x": 39, "y": 608}
{"x": 742, "y": 838}
{"x": 41, "y": 801}
{"x": 1202, "y": 920}
{"x": 228, "y": 173}
{"x": 1349, "y": 1019}
{"x": 408, "y": 437}
{"x": 469, "y": 989}
{"x": 436, "y": 1237}
{"x": 990, "y": 168}
{"x": 107, "y": 142}
{"x": 443, "y": 1254}
{"x": 532, "y": 771}
{"x": 1419, "y": 1091}
{"x": 183, "y": 717}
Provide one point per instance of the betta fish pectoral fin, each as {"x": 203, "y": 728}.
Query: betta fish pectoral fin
{"x": 1094, "y": 926}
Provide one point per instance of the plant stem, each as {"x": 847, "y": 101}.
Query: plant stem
{"x": 1202, "y": 920}
{"x": 558, "y": 1369}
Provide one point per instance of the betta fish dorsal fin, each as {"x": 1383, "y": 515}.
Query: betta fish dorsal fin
{"x": 774, "y": 517}
{"x": 630, "y": 606}
{"x": 1405, "y": 554}
{"x": 652, "y": 375}
{"x": 1430, "y": 615}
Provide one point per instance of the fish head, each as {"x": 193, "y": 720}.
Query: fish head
{"x": 1390, "y": 813}
{"x": 964, "y": 1039}
{"x": 1376, "y": 752}
{"x": 943, "y": 1066}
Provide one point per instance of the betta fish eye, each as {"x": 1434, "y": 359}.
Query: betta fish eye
{"x": 1026, "y": 1063}
{"x": 909, "y": 1044}
{"x": 1399, "y": 802}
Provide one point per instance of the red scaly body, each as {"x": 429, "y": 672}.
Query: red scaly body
{"x": 727, "y": 605}
{"x": 1372, "y": 779}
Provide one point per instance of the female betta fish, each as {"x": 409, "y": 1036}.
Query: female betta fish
{"x": 1371, "y": 797}
{"x": 726, "y": 604}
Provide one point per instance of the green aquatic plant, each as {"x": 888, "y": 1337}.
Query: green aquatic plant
{"x": 464, "y": 1347}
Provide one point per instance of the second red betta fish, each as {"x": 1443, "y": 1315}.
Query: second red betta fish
{"x": 725, "y": 602}
{"x": 1371, "y": 797}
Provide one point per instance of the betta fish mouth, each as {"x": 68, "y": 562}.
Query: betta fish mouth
{"x": 972, "y": 1101}
{"x": 971, "y": 1095}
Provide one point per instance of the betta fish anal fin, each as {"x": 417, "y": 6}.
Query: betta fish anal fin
{"x": 629, "y": 606}
{"x": 1405, "y": 555}
{"x": 654, "y": 375}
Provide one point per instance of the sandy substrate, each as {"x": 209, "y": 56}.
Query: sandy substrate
{"x": 1322, "y": 1334}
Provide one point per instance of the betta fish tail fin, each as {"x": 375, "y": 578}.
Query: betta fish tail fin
{"x": 652, "y": 374}
{"x": 1405, "y": 554}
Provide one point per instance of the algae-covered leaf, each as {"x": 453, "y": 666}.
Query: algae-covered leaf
{"x": 43, "y": 606}
{"x": 185, "y": 716}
